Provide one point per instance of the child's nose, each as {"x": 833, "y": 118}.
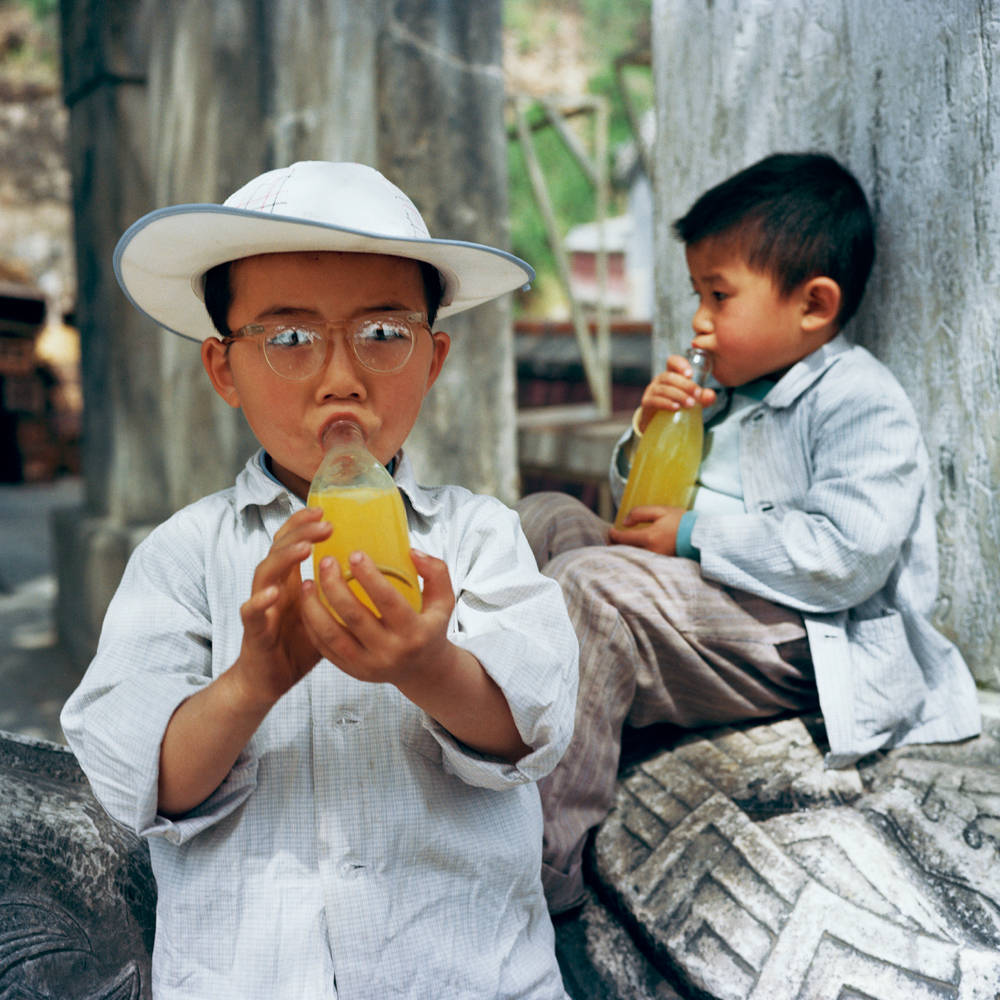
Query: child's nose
{"x": 701, "y": 322}
{"x": 341, "y": 375}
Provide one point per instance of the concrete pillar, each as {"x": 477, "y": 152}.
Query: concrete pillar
{"x": 441, "y": 138}
{"x": 236, "y": 89}
{"x": 901, "y": 91}
{"x": 105, "y": 55}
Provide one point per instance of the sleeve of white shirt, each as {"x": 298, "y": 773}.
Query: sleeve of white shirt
{"x": 154, "y": 652}
{"x": 831, "y": 546}
{"x": 514, "y": 621}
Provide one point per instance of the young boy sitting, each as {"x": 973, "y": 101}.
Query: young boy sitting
{"x": 806, "y": 570}
{"x": 333, "y": 810}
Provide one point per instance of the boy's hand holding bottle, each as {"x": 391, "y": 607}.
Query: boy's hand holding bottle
{"x": 672, "y": 389}
{"x": 276, "y": 651}
{"x": 665, "y": 462}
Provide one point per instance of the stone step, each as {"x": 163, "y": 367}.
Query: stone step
{"x": 741, "y": 869}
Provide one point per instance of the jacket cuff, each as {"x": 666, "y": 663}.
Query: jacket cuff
{"x": 684, "y": 547}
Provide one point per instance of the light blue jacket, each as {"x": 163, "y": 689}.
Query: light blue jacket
{"x": 839, "y": 525}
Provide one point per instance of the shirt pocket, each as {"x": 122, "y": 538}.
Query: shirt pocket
{"x": 888, "y": 682}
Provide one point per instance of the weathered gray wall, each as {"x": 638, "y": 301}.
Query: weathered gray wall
{"x": 441, "y": 137}
{"x": 189, "y": 106}
{"x": 235, "y": 89}
{"x": 904, "y": 93}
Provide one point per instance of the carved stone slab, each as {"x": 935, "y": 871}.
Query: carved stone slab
{"x": 746, "y": 871}
{"x": 77, "y": 897}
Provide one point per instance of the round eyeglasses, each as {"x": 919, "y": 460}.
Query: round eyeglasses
{"x": 382, "y": 342}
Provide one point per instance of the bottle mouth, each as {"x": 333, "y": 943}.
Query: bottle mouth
{"x": 701, "y": 364}
{"x": 341, "y": 432}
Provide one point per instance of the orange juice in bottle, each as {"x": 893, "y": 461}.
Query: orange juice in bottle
{"x": 665, "y": 465}
{"x": 359, "y": 498}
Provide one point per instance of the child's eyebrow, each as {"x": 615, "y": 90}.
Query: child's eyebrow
{"x": 708, "y": 279}
{"x": 280, "y": 311}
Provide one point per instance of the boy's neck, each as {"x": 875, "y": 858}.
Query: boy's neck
{"x": 818, "y": 339}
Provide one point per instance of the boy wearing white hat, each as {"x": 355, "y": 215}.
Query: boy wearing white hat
{"x": 333, "y": 810}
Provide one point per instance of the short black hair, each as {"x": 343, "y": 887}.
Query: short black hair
{"x": 219, "y": 293}
{"x": 794, "y": 216}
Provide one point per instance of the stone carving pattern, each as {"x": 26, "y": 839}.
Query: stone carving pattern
{"x": 749, "y": 872}
{"x": 77, "y": 897}
{"x": 43, "y": 949}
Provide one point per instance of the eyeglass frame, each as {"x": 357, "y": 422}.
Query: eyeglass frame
{"x": 255, "y": 329}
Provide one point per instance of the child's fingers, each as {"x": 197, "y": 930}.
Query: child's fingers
{"x": 680, "y": 364}
{"x": 386, "y": 598}
{"x": 625, "y": 536}
{"x": 293, "y": 542}
{"x": 651, "y": 527}
{"x": 638, "y": 535}
{"x": 327, "y": 634}
{"x": 646, "y": 513}
{"x": 259, "y": 602}
{"x": 278, "y": 563}
{"x": 304, "y": 525}
{"x": 307, "y": 515}
{"x": 254, "y": 612}
{"x": 437, "y": 589}
{"x": 354, "y": 615}
{"x": 360, "y": 644}
{"x": 669, "y": 391}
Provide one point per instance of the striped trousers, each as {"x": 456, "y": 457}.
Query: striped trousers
{"x": 658, "y": 643}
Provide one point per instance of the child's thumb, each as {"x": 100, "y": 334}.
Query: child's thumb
{"x": 437, "y": 579}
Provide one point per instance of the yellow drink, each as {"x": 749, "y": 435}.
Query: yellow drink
{"x": 371, "y": 520}
{"x": 666, "y": 462}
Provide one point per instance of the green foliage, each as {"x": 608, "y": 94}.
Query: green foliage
{"x": 572, "y": 199}
{"x": 615, "y": 26}
{"x": 610, "y": 29}
{"x": 42, "y": 9}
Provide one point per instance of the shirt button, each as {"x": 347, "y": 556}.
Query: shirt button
{"x": 349, "y": 868}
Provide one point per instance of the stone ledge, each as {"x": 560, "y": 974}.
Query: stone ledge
{"x": 733, "y": 866}
{"x": 740, "y": 868}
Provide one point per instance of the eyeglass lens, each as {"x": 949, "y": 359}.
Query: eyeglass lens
{"x": 382, "y": 344}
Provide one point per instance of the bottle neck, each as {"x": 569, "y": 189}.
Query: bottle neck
{"x": 701, "y": 365}
{"x": 343, "y": 435}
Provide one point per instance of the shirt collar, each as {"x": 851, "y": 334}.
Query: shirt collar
{"x": 256, "y": 486}
{"x": 425, "y": 502}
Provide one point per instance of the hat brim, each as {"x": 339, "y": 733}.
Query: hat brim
{"x": 161, "y": 259}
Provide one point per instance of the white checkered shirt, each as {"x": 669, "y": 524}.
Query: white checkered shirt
{"x": 356, "y": 849}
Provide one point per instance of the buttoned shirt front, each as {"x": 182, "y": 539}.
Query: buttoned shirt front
{"x": 356, "y": 849}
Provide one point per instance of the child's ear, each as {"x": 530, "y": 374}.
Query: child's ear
{"x": 215, "y": 358}
{"x": 442, "y": 345}
{"x": 821, "y": 303}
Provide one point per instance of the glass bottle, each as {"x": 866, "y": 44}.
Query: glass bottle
{"x": 360, "y": 499}
{"x": 665, "y": 465}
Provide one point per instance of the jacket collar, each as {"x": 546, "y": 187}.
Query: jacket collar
{"x": 802, "y": 375}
